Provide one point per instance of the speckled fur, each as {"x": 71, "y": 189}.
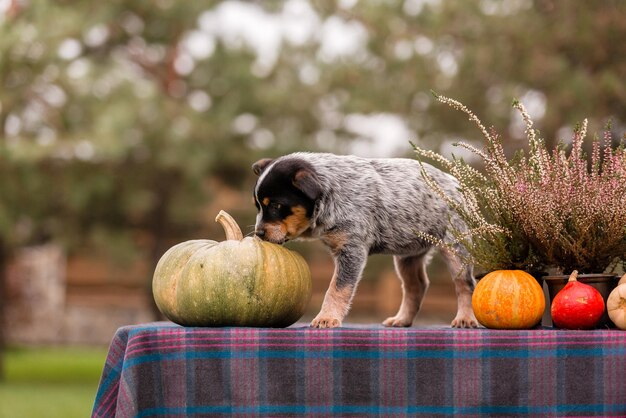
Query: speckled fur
{"x": 377, "y": 206}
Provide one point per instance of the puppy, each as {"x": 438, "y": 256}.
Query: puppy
{"x": 357, "y": 207}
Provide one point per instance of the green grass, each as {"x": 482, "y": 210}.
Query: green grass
{"x": 50, "y": 382}
{"x": 34, "y": 400}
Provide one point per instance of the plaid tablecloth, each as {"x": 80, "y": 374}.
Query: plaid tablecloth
{"x": 162, "y": 369}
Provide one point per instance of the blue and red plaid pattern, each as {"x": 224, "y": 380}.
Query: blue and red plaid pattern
{"x": 162, "y": 369}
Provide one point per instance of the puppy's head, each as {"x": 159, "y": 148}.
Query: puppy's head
{"x": 285, "y": 194}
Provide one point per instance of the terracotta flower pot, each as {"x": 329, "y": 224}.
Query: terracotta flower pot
{"x": 604, "y": 283}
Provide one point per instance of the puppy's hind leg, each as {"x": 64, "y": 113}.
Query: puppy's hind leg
{"x": 412, "y": 272}
{"x": 464, "y": 283}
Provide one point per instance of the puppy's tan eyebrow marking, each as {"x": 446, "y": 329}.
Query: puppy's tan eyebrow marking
{"x": 266, "y": 201}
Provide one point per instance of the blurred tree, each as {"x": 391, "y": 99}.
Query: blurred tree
{"x": 114, "y": 114}
{"x": 561, "y": 58}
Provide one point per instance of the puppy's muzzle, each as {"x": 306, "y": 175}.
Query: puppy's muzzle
{"x": 271, "y": 233}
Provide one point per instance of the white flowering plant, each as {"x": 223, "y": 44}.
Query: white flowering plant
{"x": 541, "y": 209}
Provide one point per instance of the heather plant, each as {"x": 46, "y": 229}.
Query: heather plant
{"x": 543, "y": 208}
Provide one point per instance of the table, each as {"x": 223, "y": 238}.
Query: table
{"x": 162, "y": 369}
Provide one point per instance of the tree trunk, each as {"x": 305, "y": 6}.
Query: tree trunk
{"x": 3, "y": 264}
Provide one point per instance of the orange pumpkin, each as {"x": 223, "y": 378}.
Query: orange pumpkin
{"x": 508, "y": 299}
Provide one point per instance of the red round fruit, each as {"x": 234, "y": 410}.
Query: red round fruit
{"x": 577, "y": 306}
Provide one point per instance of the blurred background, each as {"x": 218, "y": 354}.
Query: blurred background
{"x": 126, "y": 126}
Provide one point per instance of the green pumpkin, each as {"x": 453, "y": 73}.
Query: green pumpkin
{"x": 237, "y": 282}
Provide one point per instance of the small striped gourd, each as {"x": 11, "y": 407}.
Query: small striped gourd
{"x": 237, "y": 282}
{"x": 508, "y": 299}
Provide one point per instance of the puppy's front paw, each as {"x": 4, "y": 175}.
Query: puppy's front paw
{"x": 465, "y": 321}
{"x": 395, "y": 321}
{"x": 325, "y": 322}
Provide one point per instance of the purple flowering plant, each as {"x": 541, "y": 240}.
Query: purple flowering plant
{"x": 557, "y": 209}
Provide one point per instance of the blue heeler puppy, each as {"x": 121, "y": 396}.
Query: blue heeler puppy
{"x": 357, "y": 207}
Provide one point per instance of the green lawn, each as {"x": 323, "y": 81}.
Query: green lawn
{"x": 50, "y": 382}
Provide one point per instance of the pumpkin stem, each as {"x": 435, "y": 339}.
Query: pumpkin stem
{"x": 231, "y": 229}
{"x": 573, "y": 276}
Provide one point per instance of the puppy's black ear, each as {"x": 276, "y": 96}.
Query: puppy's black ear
{"x": 308, "y": 183}
{"x": 260, "y": 165}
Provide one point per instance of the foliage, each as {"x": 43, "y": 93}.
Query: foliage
{"x": 109, "y": 100}
{"x": 573, "y": 210}
{"x": 543, "y": 208}
{"x": 105, "y": 134}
